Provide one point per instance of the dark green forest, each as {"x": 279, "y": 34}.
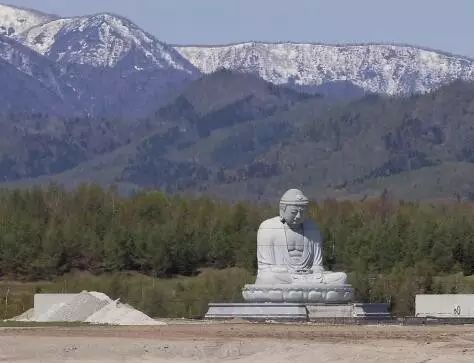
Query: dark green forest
{"x": 391, "y": 249}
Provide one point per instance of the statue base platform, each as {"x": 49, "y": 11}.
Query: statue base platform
{"x": 256, "y": 311}
{"x": 285, "y": 293}
{"x": 324, "y": 313}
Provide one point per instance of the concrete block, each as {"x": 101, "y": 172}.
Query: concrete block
{"x": 445, "y": 306}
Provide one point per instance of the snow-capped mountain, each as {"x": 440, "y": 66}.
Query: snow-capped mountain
{"x": 15, "y": 20}
{"x": 112, "y": 67}
{"x": 389, "y": 69}
{"x": 102, "y": 40}
{"x": 108, "y": 66}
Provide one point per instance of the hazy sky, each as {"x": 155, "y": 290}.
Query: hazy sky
{"x": 440, "y": 24}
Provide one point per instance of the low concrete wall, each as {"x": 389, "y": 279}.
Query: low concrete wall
{"x": 42, "y": 302}
{"x": 445, "y": 306}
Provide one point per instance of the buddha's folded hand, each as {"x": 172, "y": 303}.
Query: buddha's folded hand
{"x": 279, "y": 269}
{"x": 303, "y": 271}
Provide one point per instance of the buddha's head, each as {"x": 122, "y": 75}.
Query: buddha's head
{"x": 293, "y": 205}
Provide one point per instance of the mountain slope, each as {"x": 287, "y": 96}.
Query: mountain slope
{"x": 388, "y": 69}
{"x": 31, "y": 83}
{"x": 418, "y": 147}
{"x": 128, "y": 72}
{"x": 226, "y": 98}
{"x": 201, "y": 111}
{"x": 37, "y": 144}
{"x": 114, "y": 68}
{"x": 332, "y": 150}
{"x": 151, "y": 157}
{"x": 223, "y": 88}
{"x": 22, "y": 92}
{"x": 363, "y": 147}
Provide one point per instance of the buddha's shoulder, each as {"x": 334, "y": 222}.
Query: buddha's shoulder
{"x": 271, "y": 223}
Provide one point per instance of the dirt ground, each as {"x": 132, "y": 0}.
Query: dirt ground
{"x": 240, "y": 342}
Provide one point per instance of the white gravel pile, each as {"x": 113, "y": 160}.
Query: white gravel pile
{"x": 89, "y": 307}
{"x": 77, "y": 309}
{"x": 116, "y": 313}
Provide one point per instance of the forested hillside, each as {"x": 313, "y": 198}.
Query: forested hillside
{"x": 391, "y": 249}
{"x": 235, "y": 136}
{"x": 417, "y": 147}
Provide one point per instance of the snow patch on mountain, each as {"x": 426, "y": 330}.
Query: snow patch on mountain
{"x": 41, "y": 38}
{"x": 390, "y": 69}
{"x": 14, "y": 21}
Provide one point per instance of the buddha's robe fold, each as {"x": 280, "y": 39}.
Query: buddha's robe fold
{"x": 275, "y": 266}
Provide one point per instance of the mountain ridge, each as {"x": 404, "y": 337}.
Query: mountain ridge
{"x": 383, "y": 68}
{"x": 151, "y": 72}
{"x": 330, "y": 44}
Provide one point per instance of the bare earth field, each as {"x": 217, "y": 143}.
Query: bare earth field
{"x": 241, "y": 342}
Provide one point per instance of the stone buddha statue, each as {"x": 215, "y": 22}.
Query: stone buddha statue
{"x": 289, "y": 254}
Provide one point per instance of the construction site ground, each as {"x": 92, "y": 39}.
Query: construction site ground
{"x": 185, "y": 341}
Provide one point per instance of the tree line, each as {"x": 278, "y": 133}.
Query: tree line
{"x": 391, "y": 249}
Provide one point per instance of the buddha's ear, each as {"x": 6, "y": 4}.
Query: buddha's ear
{"x": 282, "y": 209}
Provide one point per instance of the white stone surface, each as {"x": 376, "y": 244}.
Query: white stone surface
{"x": 294, "y": 293}
{"x": 445, "y": 306}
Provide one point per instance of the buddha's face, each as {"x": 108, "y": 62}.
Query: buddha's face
{"x": 293, "y": 214}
